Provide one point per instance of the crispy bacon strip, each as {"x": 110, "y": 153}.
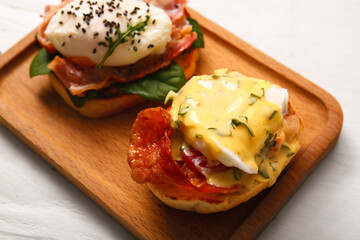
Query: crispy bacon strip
{"x": 150, "y": 157}
{"x": 149, "y": 153}
{"x": 80, "y": 78}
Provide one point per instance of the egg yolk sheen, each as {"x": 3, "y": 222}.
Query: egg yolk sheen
{"x": 229, "y": 117}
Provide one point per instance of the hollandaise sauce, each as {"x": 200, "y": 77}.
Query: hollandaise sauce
{"x": 236, "y": 120}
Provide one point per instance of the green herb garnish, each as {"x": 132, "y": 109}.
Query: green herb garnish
{"x": 290, "y": 154}
{"x": 80, "y": 101}
{"x": 199, "y": 42}
{"x": 183, "y": 110}
{"x": 273, "y": 165}
{"x": 123, "y": 38}
{"x": 252, "y": 100}
{"x": 237, "y": 174}
{"x": 273, "y": 114}
{"x": 197, "y": 135}
{"x": 286, "y": 147}
{"x": 220, "y": 132}
{"x": 263, "y": 171}
{"x": 157, "y": 85}
{"x": 258, "y": 96}
{"x": 254, "y": 97}
{"x": 39, "y": 63}
{"x": 236, "y": 122}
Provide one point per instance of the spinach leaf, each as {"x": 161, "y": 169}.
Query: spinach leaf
{"x": 199, "y": 42}
{"x": 80, "y": 101}
{"x": 39, "y": 63}
{"x": 156, "y": 86}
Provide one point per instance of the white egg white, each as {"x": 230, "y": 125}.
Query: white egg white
{"x": 73, "y": 35}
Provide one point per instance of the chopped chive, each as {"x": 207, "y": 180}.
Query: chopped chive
{"x": 290, "y": 154}
{"x": 237, "y": 174}
{"x": 235, "y": 122}
{"x": 264, "y": 173}
{"x": 252, "y": 100}
{"x": 273, "y": 165}
{"x": 183, "y": 110}
{"x": 273, "y": 114}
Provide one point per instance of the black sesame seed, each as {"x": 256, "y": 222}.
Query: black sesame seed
{"x": 69, "y": 12}
{"x": 83, "y": 30}
{"x": 62, "y": 11}
{"x": 81, "y": 2}
{"x": 102, "y": 43}
{"x": 77, "y": 8}
{"x": 63, "y": 44}
{"x": 70, "y": 36}
{"x": 154, "y": 21}
{"x": 61, "y": 23}
{"x": 151, "y": 46}
{"x": 94, "y": 50}
{"x": 139, "y": 40}
{"x": 135, "y": 49}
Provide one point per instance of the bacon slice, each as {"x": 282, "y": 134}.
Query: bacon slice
{"x": 150, "y": 157}
{"x": 149, "y": 153}
{"x": 78, "y": 78}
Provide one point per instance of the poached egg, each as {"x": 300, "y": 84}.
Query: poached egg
{"x": 228, "y": 116}
{"x": 83, "y": 28}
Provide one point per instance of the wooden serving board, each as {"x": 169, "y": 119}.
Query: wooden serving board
{"x": 92, "y": 154}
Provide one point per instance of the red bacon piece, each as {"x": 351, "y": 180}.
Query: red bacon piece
{"x": 149, "y": 153}
{"x": 150, "y": 157}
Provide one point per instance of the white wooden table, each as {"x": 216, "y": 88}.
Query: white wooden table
{"x": 318, "y": 39}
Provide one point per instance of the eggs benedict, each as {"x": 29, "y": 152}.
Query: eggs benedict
{"x": 225, "y": 138}
{"x": 107, "y": 55}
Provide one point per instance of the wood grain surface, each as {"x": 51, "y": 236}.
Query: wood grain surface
{"x": 92, "y": 154}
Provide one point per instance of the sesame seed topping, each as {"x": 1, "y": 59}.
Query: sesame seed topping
{"x": 63, "y": 44}
{"x": 151, "y": 46}
{"x": 61, "y": 23}
{"x": 102, "y": 44}
{"x": 135, "y": 49}
{"x": 94, "y": 50}
{"x": 83, "y": 30}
